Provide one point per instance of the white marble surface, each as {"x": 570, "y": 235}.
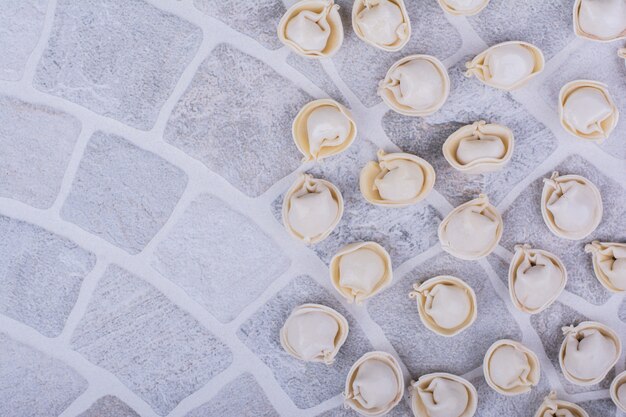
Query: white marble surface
{"x": 144, "y": 151}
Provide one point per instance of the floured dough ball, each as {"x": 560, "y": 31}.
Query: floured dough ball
{"x": 600, "y": 20}
{"x": 446, "y": 304}
{"x": 314, "y": 333}
{"x": 511, "y": 368}
{"x": 609, "y": 264}
{"x": 536, "y": 279}
{"x": 374, "y": 384}
{"x": 311, "y": 209}
{"x": 312, "y": 28}
{"x": 618, "y": 391}
{"x": 384, "y": 24}
{"x": 479, "y": 148}
{"x": 552, "y": 407}
{"x": 323, "y": 128}
{"x": 463, "y": 7}
{"x": 508, "y": 65}
{"x": 360, "y": 270}
{"x": 472, "y": 230}
{"x": 588, "y": 352}
{"x": 443, "y": 395}
{"x": 396, "y": 180}
{"x": 587, "y": 110}
{"x": 416, "y": 85}
{"x": 571, "y": 206}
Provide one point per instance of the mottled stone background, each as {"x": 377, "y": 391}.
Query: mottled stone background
{"x": 145, "y": 147}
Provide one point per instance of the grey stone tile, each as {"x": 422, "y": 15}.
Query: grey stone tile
{"x": 548, "y": 325}
{"x": 471, "y": 101}
{"x": 245, "y": 138}
{"x": 599, "y": 408}
{"x": 314, "y": 71}
{"x": 122, "y": 193}
{"x": 21, "y": 23}
{"x": 622, "y": 311}
{"x": 242, "y": 397}
{"x": 510, "y": 20}
{"x": 120, "y": 59}
{"x": 157, "y": 350}
{"x": 40, "y": 275}
{"x": 219, "y": 257}
{"x": 401, "y": 410}
{"x": 33, "y": 384}
{"x": 491, "y": 403}
{"x": 258, "y": 19}
{"x": 422, "y": 350}
{"x": 362, "y": 66}
{"x": 599, "y": 63}
{"x": 36, "y": 144}
{"x": 526, "y": 210}
{"x": 109, "y": 406}
{"x": 404, "y": 232}
{"x": 306, "y": 383}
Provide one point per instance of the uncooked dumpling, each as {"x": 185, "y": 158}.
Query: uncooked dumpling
{"x": 384, "y": 24}
{"x": 314, "y": 333}
{"x": 463, "y": 7}
{"x": 536, "y": 278}
{"x": 312, "y": 28}
{"x": 600, "y": 20}
{"x": 311, "y": 209}
{"x": 618, "y": 391}
{"x": 511, "y": 368}
{"x": 609, "y": 264}
{"x": 507, "y": 66}
{"x": 571, "y": 206}
{"x": 416, "y": 85}
{"x": 552, "y": 407}
{"x": 587, "y": 110}
{"x": 446, "y": 304}
{"x": 443, "y": 395}
{"x": 472, "y": 230}
{"x": 374, "y": 384}
{"x": 323, "y": 128}
{"x": 588, "y": 352}
{"x": 479, "y": 147}
{"x": 396, "y": 180}
{"x": 360, "y": 270}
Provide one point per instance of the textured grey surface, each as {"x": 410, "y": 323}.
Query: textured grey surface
{"x": 119, "y": 58}
{"x": 33, "y": 384}
{"x": 36, "y": 143}
{"x": 109, "y": 406}
{"x": 122, "y": 193}
{"x": 219, "y": 257}
{"x": 257, "y": 150}
{"x": 150, "y": 344}
{"x": 40, "y": 275}
{"x": 256, "y": 19}
{"x": 242, "y": 397}
{"x": 546, "y": 24}
{"x": 182, "y": 183}
{"x": 21, "y": 23}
